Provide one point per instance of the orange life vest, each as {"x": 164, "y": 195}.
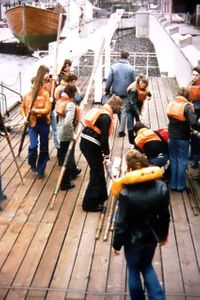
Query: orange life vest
{"x": 92, "y": 116}
{"x": 134, "y": 177}
{"x": 60, "y": 107}
{"x": 145, "y": 135}
{"x": 194, "y": 91}
{"x": 175, "y": 109}
{"x": 41, "y": 103}
{"x": 141, "y": 94}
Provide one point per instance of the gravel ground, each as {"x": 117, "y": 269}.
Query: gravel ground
{"x": 134, "y": 45}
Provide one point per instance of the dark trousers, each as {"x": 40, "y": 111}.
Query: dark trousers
{"x": 71, "y": 168}
{"x": 96, "y": 192}
{"x": 195, "y": 141}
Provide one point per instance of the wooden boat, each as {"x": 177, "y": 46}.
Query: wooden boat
{"x": 33, "y": 26}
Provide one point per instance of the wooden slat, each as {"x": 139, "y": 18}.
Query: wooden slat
{"x": 53, "y": 254}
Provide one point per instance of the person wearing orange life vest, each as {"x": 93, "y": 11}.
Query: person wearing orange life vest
{"x": 68, "y": 117}
{"x": 181, "y": 116}
{"x": 142, "y": 222}
{"x": 70, "y": 78}
{"x": 152, "y": 144}
{"x": 194, "y": 97}
{"x": 49, "y": 85}
{"x": 38, "y": 129}
{"x": 138, "y": 92}
{"x": 94, "y": 145}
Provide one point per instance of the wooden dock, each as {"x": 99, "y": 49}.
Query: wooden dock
{"x": 53, "y": 254}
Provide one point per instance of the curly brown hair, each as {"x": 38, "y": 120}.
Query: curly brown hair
{"x": 136, "y": 160}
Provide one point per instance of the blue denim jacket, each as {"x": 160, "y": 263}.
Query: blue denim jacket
{"x": 120, "y": 77}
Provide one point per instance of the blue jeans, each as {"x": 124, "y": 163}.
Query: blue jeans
{"x": 131, "y": 118}
{"x": 139, "y": 260}
{"x": 38, "y": 135}
{"x": 178, "y": 156}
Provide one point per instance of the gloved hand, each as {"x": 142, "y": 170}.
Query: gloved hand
{"x": 141, "y": 118}
{"x": 108, "y": 164}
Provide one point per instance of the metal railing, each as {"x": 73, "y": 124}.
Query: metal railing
{"x": 3, "y": 98}
{"x": 143, "y": 62}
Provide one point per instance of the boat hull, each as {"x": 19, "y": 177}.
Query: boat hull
{"x": 35, "y": 27}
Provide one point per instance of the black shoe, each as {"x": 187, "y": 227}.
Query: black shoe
{"x": 73, "y": 176}
{"x": 40, "y": 176}
{"x": 194, "y": 165}
{"x": 33, "y": 169}
{"x": 122, "y": 134}
{"x": 4, "y": 198}
{"x": 67, "y": 187}
{"x": 99, "y": 208}
{"x": 180, "y": 191}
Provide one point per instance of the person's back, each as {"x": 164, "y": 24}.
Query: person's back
{"x": 181, "y": 116}
{"x": 142, "y": 222}
{"x": 150, "y": 143}
{"x": 144, "y": 203}
{"x": 119, "y": 78}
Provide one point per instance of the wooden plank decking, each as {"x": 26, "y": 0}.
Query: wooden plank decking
{"x": 53, "y": 254}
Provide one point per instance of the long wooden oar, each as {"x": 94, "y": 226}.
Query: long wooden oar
{"x": 114, "y": 216}
{"x": 107, "y": 204}
{"x": 113, "y": 200}
{"x": 10, "y": 145}
{"x": 56, "y": 190}
{"x": 36, "y": 87}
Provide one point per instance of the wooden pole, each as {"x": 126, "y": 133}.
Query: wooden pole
{"x": 10, "y": 145}
{"x": 108, "y": 204}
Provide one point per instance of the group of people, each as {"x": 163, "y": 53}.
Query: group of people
{"x": 143, "y": 216}
{"x": 56, "y": 105}
{"x": 169, "y": 147}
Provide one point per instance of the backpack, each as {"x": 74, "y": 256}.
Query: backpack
{"x": 40, "y": 102}
{"x": 60, "y": 107}
{"x": 163, "y": 134}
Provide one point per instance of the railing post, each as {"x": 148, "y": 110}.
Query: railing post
{"x": 147, "y": 66}
{"x": 20, "y": 82}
